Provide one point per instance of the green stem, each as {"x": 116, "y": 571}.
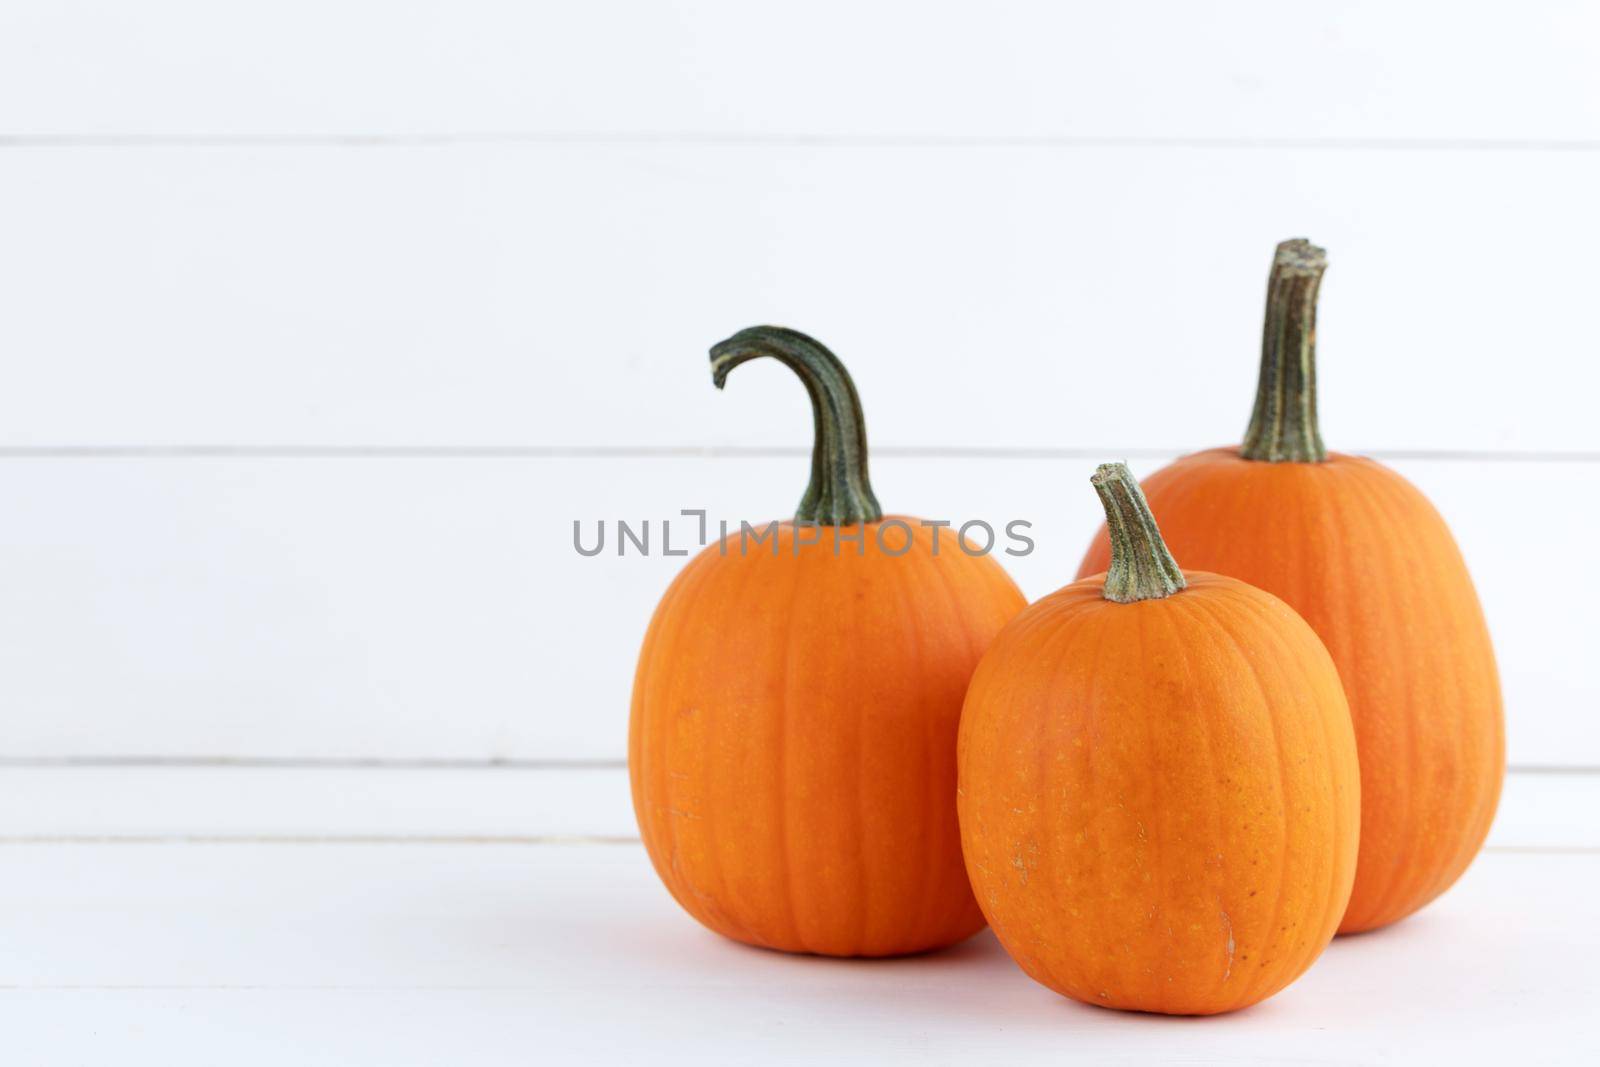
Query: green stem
{"x": 1283, "y": 426}
{"x": 1141, "y": 567}
{"x": 840, "y": 493}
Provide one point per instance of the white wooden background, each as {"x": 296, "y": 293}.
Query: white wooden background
{"x": 320, "y": 323}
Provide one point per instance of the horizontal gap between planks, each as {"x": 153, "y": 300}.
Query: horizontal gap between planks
{"x": 292, "y": 988}
{"x": 705, "y": 452}
{"x": 429, "y": 763}
{"x": 566, "y": 840}
{"x": 319, "y": 839}
{"x": 793, "y": 140}
{"x": 319, "y": 763}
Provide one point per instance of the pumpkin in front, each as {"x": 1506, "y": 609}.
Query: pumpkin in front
{"x": 1363, "y": 556}
{"x": 792, "y": 740}
{"x": 1159, "y": 797}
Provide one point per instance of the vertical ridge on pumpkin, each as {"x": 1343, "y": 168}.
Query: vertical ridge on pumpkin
{"x": 1473, "y": 750}
{"x": 1185, "y": 608}
{"x": 782, "y": 752}
{"x": 737, "y": 924}
{"x": 1403, "y": 868}
{"x": 921, "y": 920}
{"x": 1042, "y": 774}
{"x": 1097, "y": 976}
{"x": 940, "y": 865}
{"x": 1488, "y": 755}
{"x": 1171, "y": 647}
{"x": 1066, "y": 656}
{"x": 952, "y": 867}
{"x": 1329, "y": 907}
{"x": 1400, "y": 870}
{"x": 1261, "y": 985}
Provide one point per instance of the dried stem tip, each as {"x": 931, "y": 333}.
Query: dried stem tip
{"x": 1283, "y": 425}
{"x": 1141, "y": 567}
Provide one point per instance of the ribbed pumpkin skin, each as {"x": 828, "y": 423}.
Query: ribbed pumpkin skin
{"x": 792, "y": 742}
{"x": 1159, "y": 800}
{"x": 1367, "y": 561}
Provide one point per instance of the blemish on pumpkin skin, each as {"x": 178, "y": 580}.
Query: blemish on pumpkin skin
{"x": 1227, "y": 924}
{"x": 1024, "y": 865}
{"x": 677, "y": 813}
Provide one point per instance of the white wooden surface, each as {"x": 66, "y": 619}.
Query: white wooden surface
{"x": 519, "y": 803}
{"x": 430, "y": 607}
{"x": 562, "y": 297}
{"x": 401, "y": 916}
{"x": 1021, "y": 68}
{"x": 321, "y": 322}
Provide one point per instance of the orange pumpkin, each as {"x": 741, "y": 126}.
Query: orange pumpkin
{"x": 1368, "y": 562}
{"x": 1158, "y": 795}
{"x": 792, "y": 743}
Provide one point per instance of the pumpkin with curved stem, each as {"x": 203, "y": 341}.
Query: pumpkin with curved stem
{"x": 792, "y": 741}
{"x": 1368, "y": 562}
{"x": 1158, "y": 789}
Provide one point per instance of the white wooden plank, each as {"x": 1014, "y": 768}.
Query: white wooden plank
{"x": 437, "y": 608}
{"x": 565, "y": 296}
{"x": 409, "y": 955}
{"x": 1244, "y": 68}
{"x": 1536, "y": 811}
{"x": 208, "y": 803}
{"x": 512, "y": 804}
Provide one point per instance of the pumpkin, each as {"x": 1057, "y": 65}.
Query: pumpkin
{"x": 792, "y": 740}
{"x": 1158, "y": 790}
{"x": 1367, "y": 561}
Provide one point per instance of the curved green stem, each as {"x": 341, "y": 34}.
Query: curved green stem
{"x": 840, "y": 493}
{"x": 1283, "y": 426}
{"x": 1141, "y": 567}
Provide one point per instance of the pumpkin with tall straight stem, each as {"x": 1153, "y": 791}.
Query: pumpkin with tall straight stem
{"x": 1361, "y": 554}
{"x": 1158, "y": 789}
{"x": 792, "y": 740}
